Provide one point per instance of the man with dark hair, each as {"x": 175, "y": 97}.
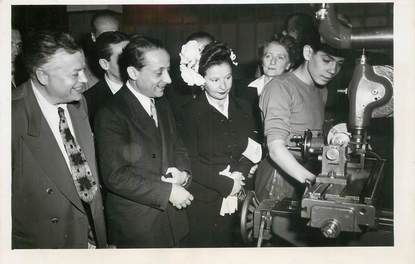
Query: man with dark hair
{"x": 290, "y": 104}
{"x": 56, "y": 199}
{"x": 102, "y": 21}
{"x": 137, "y": 143}
{"x": 109, "y": 46}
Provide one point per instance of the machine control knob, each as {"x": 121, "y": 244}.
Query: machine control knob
{"x": 331, "y": 228}
{"x": 332, "y": 154}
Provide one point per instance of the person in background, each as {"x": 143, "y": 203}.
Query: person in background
{"x": 290, "y": 104}
{"x": 56, "y": 198}
{"x": 180, "y": 92}
{"x": 143, "y": 163}
{"x": 16, "y": 47}
{"x": 102, "y": 21}
{"x": 109, "y": 46}
{"x": 301, "y": 27}
{"x": 278, "y": 56}
{"x": 217, "y": 128}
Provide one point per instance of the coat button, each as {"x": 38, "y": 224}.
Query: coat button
{"x": 54, "y": 220}
{"x": 153, "y": 156}
{"x": 49, "y": 190}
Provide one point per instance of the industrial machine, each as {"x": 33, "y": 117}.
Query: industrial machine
{"x": 345, "y": 193}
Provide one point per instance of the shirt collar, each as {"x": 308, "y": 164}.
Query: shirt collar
{"x": 114, "y": 86}
{"x": 259, "y": 84}
{"x": 215, "y": 104}
{"x": 143, "y": 99}
{"x": 44, "y": 103}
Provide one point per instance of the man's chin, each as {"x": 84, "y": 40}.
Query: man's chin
{"x": 322, "y": 82}
{"x": 160, "y": 93}
{"x": 76, "y": 96}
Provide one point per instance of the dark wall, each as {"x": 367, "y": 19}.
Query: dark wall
{"x": 31, "y": 17}
{"x": 243, "y": 27}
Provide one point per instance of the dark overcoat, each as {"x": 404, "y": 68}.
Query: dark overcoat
{"x": 213, "y": 142}
{"x": 133, "y": 155}
{"x": 46, "y": 209}
{"x": 95, "y": 97}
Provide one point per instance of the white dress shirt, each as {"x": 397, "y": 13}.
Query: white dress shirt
{"x": 114, "y": 86}
{"x": 259, "y": 84}
{"x": 145, "y": 101}
{"x": 50, "y": 112}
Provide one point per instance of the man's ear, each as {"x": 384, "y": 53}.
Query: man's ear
{"x": 104, "y": 64}
{"x": 132, "y": 72}
{"x": 41, "y": 76}
{"x": 307, "y": 52}
{"x": 288, "y": 67}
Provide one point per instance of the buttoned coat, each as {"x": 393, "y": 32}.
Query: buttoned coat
{"x": 133, "y": 154}
{"x": 46, "y": 209}
{"x": 213, "y": 142}
{"x": 95, "y": 97}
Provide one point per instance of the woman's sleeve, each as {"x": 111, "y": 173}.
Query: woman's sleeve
{"x": 202, "y": 173}
{"x": 244, "y": 164}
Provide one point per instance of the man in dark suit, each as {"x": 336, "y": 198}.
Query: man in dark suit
{"x": 102, "y": 21}
{"x": 109, "y": 46}
{"x": 138, "y": 146}
{"x": 56, "y": 199}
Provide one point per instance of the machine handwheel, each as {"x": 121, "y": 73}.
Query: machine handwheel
{"x": 247, "y": 217}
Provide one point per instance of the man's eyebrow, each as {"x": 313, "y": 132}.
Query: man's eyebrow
{"x": 78, "y": 69}
{"x": 341, "y": 60}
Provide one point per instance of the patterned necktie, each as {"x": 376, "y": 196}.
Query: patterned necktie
{"x": 81, "y": 174}
{"x": 153, "y": 111}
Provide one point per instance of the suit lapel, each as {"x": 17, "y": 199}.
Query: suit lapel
{"x": 136, "y": 112}
{"x": 45, "y": 149}
{"x": 163, "y": 127}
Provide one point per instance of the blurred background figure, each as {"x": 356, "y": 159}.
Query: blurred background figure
{"x": 102, "y": 21}
{"x": 109, "y": 46}
{"x": 16, "y": 47}
{"x": 278, "y": 56}
{"x": 202, "y": 37}
{"x": 300, "y": 26}
{"x": 181, "y": 93}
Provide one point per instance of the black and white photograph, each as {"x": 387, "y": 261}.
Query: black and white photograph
{"x": 192, "y": 132}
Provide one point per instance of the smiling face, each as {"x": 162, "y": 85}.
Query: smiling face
{"x": 275, "y": 60}
{"x": 62, "y": 78}
{"x": 152, "y": 79}
{"x": 218, "y": 81}
{"x": 322, "y": 67}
